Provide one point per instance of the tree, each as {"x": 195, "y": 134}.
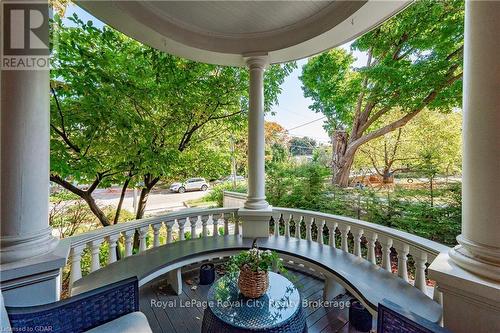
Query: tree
{"x": 124, "y": 113}
{"x": 302, "y": 146}
{"x": 405, "y": 149}
{"x": 414, "y": 61}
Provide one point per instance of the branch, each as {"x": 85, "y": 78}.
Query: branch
{"x": 62, "y": 133}
{"x": 67, "y": 185}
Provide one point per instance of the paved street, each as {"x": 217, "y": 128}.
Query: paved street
{"x": 159, "y": 200}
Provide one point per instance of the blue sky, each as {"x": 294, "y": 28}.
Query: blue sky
{"x": 292, "y": 109}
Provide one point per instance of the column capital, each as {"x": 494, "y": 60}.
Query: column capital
{"x": 257, "y": 62}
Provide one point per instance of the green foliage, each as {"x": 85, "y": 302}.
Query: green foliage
{"x": 255, "y": 260}
{"x": 217, "y": 192}
{"x": 302, "y": 146}
{"x": 124, "y": 111}
{"x": 407, "y": 209}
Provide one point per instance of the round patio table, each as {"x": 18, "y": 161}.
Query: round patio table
{"x": 278, "y": 310}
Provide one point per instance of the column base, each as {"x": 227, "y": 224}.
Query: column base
{"x": 477, "y": 258}
{"x": 256, "y": 204}
{"x": 255, "y": 222}
{"x": 471, "y": 303}
{"x": 13, "y": 249}
{"x": 35, "y": 280}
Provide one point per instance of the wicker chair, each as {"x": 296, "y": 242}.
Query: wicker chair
{"x": 393, "y": 318}
{"x": 112, "y": 308}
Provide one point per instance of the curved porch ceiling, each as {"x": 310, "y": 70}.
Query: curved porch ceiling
{"x": 225, "y": 32}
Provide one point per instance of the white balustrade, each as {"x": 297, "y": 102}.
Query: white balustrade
{"x": 112, "y": 240}
{"x": 297, "y": 219}
{"x": 309, "y": 222}
{"x": 332, "y": 227}
{"x": 156, "y": 234}
{"x": 320, "y": 225}
{"x": 125, "y": 233}
{"x": 422, "y": 250}
{"x": 142, "y": 238}
{"x": 95, "y": 249}
{"x": 287, "y": 224}
{"x": 344, "y": 236}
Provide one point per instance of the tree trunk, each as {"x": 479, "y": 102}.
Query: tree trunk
{"x": 96, "y": 210}
{"x": 122, "y": 197}
{"x": 341, "y": 177}
{"x": 339, "y": 144}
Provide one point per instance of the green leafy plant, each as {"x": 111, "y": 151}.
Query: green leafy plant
{"x": 256, "y": 260}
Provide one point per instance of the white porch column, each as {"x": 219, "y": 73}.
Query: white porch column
{"x": 256, "y": 140}
{"x": 469, "y": 276}
{"x": 25, "y": 229}
{"x": 256, "y": 211}
{"x": 30, "y": 258}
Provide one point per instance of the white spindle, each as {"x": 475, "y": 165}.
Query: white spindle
{"x": 372, "y": 239}
{"x": 75, "y": 262}
{"x": 142, "y": 238}
{"x": 357, "y": 234}
{"x": 344, "y": 236}
{"x": 181, "y": 223}
{"x": 386, "y": 244}
{"x": 309, "y": 222}
{"x": 170, "y": 227}
{"x": 320, "y": 225}
{"x": 192, "y": 229}
{"x": 420, "y": 259}
{"x": 95, "y": 247}
{"x": 112, "y": 248}
{"x": 215, "y": 225}
{"x": 156, "y": 234}
{"x": 331, "y": 234}
{"x": 225, "y": 218}
{"x": 287, "y": 225}
{"x": 194, "y": 223}
{"x": 402, "y": 250}
{"x": 129, "y": 239}
{"x": 297, "y": 219}
{"x": 204, "y": 223}
{"x": 437, "y": 296}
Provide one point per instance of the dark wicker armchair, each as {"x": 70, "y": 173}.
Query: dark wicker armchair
{"x": 394, "y": 319}
{"x": 102, "y": 307}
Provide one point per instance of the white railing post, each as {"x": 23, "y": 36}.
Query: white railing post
{"x": 320, "y": 225}
{"x": 75, "y": 263}
{"x": 332, "y": 226}
{"x": 357, "y": 233}
{"x": 156, "y": 234}
{"x": 193, "y": 222}
{"x": 204, "y": 223}
{"x": 420, "y": 258}
{"x": 169, "y": 225}
{"x": 215, "y": 225}
{"x": 95, "y": 247}
{"x": 308, "y": 222}
{"x": 371, "y": 239}
{"x": 402, "y": 249}
{"x": 287, "y": 225}
{"x": 344, "y": 234}
{"x": 386, "y": 244}
{"x": 142, "y": 238}
{"x": 129, "y": 239}
{"x": 181, "y": 223}
{"x": 112, "y": 248}
{"x": 297, "y": 219}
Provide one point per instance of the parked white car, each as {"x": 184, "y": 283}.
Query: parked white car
{"x": 191, "y": 184}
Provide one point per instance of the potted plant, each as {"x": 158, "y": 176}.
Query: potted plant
{"x": 253, "y": 267}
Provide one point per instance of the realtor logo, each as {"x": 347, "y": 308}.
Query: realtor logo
{"x": 25, "y": 37}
